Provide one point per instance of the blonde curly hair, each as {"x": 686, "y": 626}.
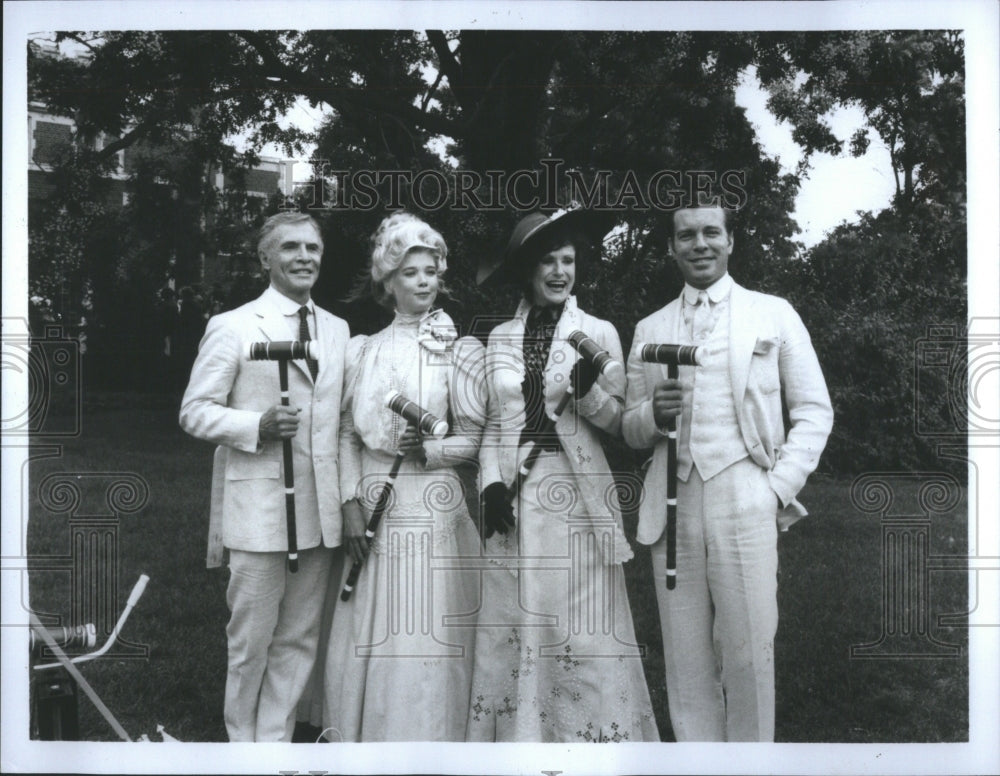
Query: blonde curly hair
{"x": 395, "y": 237}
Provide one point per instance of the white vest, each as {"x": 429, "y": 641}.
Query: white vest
{"x": 710, "y": 435}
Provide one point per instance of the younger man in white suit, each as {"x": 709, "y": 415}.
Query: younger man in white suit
{"x": 738, "y": 477}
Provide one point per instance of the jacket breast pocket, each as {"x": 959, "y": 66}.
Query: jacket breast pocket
{"x": 252, "y": 468}
{"x": 764, "y": 371}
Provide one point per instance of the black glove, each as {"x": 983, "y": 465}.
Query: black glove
{"x": 583, "y": 377}
{"x": 497, "y": 513}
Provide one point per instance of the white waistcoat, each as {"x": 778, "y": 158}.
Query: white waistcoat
{"x": 710, "y": 435}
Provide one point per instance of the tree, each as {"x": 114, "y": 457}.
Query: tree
{"x": 157, "y": 86}
{"x": 868, "y": 294}
{"x": 909, "y": 83}
{"x": 611, "y": 107}
{"x": 67, "y": 233}
{"x": 869, "y": 290}
{"x": 601, "y": 106}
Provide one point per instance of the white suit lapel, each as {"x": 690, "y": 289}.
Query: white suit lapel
{"x": 509, "y": 357}
{"x": 514, "y": 340}
{"x": 324, "y": 336}
{"x": 742, "y": 337}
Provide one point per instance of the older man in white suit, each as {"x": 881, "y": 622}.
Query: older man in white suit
{"x": 738, "y": 478}
{"x": 273, "y": 630}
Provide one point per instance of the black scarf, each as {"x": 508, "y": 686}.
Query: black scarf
{"x": 539, "y": 330}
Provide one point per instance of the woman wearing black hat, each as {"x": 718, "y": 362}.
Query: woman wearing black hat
{"x": 556, "y": 658}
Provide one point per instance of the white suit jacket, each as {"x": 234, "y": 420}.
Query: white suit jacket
{"x": 223, "y": 404}
{"x": 769, "y": 351}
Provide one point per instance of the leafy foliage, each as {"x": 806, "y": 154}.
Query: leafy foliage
{"x": 155, "y": 85}
{"x": 67, "y": 234}
{"x": 870, "y": 290}
{"x": 617, "y": 105}
{"x": 910, "y": 85}
{"x": 867, "y": 295}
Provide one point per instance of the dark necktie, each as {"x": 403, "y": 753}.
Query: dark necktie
{"x": 304, "y": 337}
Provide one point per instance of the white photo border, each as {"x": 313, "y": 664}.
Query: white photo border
{"x": 978, "y": 20}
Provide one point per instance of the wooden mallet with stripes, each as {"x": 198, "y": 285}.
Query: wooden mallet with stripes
{"x": 673, "y": 356}
{"x": 283, "y": 352}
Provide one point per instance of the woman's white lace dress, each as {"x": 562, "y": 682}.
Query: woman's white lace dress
{"x": 398, "y": 664}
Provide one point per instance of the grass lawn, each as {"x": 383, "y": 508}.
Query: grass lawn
{"x": 830, "y": 598}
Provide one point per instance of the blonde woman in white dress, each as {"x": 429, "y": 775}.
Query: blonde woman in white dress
{"x": 398, "y": 666}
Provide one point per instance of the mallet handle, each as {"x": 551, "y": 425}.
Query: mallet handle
{"x": 672, "y": 356}
{"x": 529, "y": 461}
{"x": 283, "y": 351}
{"x": 286, "y": 450}
{"x": 373, "y": 523}
{"x": 672, "y": 492}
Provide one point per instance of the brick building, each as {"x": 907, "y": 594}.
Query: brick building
{"x": 212, "y": 275}
{"x": 50, "y": 135}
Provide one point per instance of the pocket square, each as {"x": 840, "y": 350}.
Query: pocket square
{"x": 764, "y": 346}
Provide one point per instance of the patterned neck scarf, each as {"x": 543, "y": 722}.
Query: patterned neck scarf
{"x": 538, "y": 332}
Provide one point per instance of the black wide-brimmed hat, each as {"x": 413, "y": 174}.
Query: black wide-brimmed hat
{"x": 534, "y": 229}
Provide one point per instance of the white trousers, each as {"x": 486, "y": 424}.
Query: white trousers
{"x": 719, "y": 622}
{"x": 273, "y": 632}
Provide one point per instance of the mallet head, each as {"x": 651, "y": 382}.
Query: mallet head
{"x": 426, "y": 422}
{"x": 671, "y": 355}
{"x": 285, "y": 350}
